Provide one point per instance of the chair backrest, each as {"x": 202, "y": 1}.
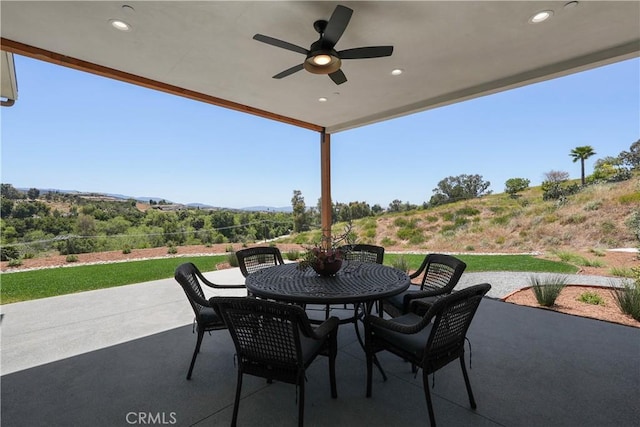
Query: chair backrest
{"x": 266, "y": 335}
{"x": 363, "y": 252}
{"x": 441, "y": 272}
{"x": 253, "y": 259}
{"x": 187, "y": 275}
{"x": 452, "y": 316}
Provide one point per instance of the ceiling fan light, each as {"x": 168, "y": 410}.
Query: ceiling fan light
{"x": 321, "y": 59}
{"x": 322, "y": 63}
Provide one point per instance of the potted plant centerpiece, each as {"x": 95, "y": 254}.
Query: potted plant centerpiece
{"x": 326, "y": 257}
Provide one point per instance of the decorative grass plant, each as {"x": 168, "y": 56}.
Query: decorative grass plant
{"x": 627, "y": 297}
{"x": 547, "y": 290}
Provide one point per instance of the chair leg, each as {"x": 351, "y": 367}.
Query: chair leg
{"x": 369, "y": 372}
{"x": 427, "y": 395}
{"x": 195, "y": 353}
{"x": 472, "y": 401}
{"x": 332, "y": 365}
{"x": 236, "y": 403}
{"x": 301, "y": 403}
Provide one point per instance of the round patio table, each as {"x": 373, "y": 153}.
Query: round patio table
{"x": 355, "y": 283}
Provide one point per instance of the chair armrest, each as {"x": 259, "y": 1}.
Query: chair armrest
{"x": 414, "y": 275}
{"x": 325, "y": 328}
{"x": 215, "y": 285}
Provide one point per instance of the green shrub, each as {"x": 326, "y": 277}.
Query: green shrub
{"x": 501, "y": 220}
{"x": 546, "y": 291}
{"x": 630, "y": 198}
{"x": 29, "y": 255}
{"x": 126, "y": 250}
{"x": 575, "y": 219}
{"x": 416, "y": 239}
{"x": 401, "y": 222}
{"x": 172, "y": 250}
{"x": 292, "y": 255}
{"x": 593, "y": 206}
{"x": 72, "y": 258}
{"x": 591, "y": 298}
{"x": 621, "y": 272}
{"x": 467, "y": 211}
{"x": 585, "y": 262}
{"x": 8, "y": 253}
{"x": 431, "y": 218}
{"x": 388, "y": 242}
{"x": 232, "y": 259}
{"x": 14, "y": 262}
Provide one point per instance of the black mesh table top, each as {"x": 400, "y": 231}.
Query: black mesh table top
{"x": 356, "y": 282}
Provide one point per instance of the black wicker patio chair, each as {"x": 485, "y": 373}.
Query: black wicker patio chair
{"x": 430, "y": 341}
{"x": 276, "y": 341}
{"x": 206, "y": 319}
{"x": 441, "y": 274}
{"x": 363, "y": 252}
{"x": 256, "y": 258}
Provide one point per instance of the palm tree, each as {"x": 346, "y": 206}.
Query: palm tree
{"x": 582, "y": 153}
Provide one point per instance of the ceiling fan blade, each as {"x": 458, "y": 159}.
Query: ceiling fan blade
{"x": 288, "y": 71}
{"x": 366, "y": 52}
{"x": 338, "y": 77}
{"x": 337, "y": 24}
{"x": 280, "y": 43}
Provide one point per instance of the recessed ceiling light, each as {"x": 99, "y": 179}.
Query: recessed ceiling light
{"x": 322, "y": 99}
{"x": 541, "y": 16}
{"x": 396, "y": 72}
{"x": 571, "y": 5}
{"x": 120, "y": 25}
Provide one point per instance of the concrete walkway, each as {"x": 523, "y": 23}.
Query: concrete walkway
{"x": 45, "y": 330}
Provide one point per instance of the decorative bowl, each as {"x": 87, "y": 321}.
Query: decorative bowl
{"x": 327, "y": 268}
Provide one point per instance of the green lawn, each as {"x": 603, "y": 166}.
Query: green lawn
{"x": 28, "y": 285}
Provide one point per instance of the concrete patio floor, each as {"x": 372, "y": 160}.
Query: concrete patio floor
{"x": 119, "y": 357}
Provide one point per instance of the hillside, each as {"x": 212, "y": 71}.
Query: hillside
{"x": 595, "y": 219}
{"x": 588, "y": 223}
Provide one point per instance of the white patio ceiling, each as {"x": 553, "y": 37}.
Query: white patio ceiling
{"x": 449, "y": 51}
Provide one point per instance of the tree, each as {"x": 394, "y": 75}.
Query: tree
{"x": 631, "y": 158}
{"x": 300, "y": 218}
{"x": 395, "y": 206}
{"x": 33, "y": 193}
{"x": 552, "y": 186}
{"x": 556, "y": 176}
{"x": 461, "y": 187}
{"x": 8, "y": 191}
{"x": 7, "y": 207}
{"x": 582, "y": 153}
{"x": 515, "y": 185}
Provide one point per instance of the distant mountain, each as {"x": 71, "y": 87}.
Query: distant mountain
{"x": 268, "y": 208}
{"x": 146, "y": 199}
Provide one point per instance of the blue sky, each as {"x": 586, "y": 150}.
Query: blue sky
{"x": 76, "y": 131}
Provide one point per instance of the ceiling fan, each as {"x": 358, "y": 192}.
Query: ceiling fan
{"x": 322, "y": 58}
